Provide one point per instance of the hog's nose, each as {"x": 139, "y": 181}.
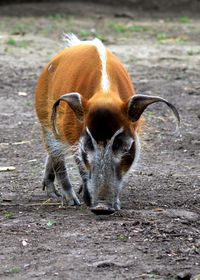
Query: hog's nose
{"x": 102, "y": 209}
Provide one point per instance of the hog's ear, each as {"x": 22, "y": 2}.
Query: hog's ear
{"x": 75, "y": 103}
{"x": 138, "y": 103}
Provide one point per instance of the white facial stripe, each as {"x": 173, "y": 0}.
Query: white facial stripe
{"x": 71, "y": 40}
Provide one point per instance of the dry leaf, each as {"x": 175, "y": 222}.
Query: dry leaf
{"x": 7, "y": 168}
{"x": 21, "y": 93}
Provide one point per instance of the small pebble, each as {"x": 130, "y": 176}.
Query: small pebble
{"x": 184, "y": 276}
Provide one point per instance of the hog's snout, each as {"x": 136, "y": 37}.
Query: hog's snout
{"x": 102, "y": 209}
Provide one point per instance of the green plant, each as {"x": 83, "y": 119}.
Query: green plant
{"x": 190, "y": 52}
{"x": 19, "y": 29}
{"x": 56, "y": 17}
{"x": 82, "y": 208}
{"x": 23, "y": 44}
{"x": 138, "y": 28}
{"x": 11, "y": 41}
{"x": 181, "y": 39}
{"x": 184, "y": 19}
{"x": 47, "y": 30}
{"x": 14, "y": 270}
{"x": 9, "y": 215}
{"x": 20, "y": 44}
{"x": 193, "y": 52}
{"x": 84, "y": 34}
{"x": 122, "y": 237}
{"x": 51, "y": 223}
{"x": 101, "y": 37}
{"x": 118, "y": 27}
{"x": 161, "y": 36}
{"x": 150, "y": 114}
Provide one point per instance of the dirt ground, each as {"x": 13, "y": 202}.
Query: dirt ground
{"x": 156, "y": 235}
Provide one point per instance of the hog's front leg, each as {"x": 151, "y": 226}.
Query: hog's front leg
{"x": 84, "y": 177}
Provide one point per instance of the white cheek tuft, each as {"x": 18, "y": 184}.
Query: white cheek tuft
{"x": 137, "y": 148}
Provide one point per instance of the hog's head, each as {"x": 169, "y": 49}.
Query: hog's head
{"x": 108, "y": 146}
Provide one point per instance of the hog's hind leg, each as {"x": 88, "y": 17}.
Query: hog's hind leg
{"x": 49, "y": 178}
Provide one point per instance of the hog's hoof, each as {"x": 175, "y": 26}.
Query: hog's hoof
{"x": 51, "y": 190}
{"x": 74, "y": 202}
{"x": 80, "y": 189}
{"x": 102, "y": 209}
{"x": 70, "y": 198}
{"x": 55, "y": 195}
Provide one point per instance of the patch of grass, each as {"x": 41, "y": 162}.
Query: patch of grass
{"x": 19, "y": 29}
{"x": 20, "y": 44}
{"x": 14, "y": 270}
{"x": 193, "y": 52}
{"x": 51, "y": 223}
{"x": 57, "y": 17}
{"x": 152, "y": 275}
{"x": 122, "y": 237}
{"x": 9, "y": 215}
{"x": 84, "y": 34}
{"x": 118, "y": 27}
{"x": 28, "y": 103}
{"x": 184, "y": 19}
{"x": 181, "y": 39}
{"x": 34, "y": 172}
{"x": 161, "y": 37}
{"x": 83, "y": 208}
{"x": 124, "y": 28}
{"x": 23, "y": 44}
{"x": 47, "y": 30}
{"x": 150, "y": 114}
{"x": 190, "y": 52}
{"x": 11, "y": 42}
{"x": 101, "y": 37}
{"x": 138, "y": 28}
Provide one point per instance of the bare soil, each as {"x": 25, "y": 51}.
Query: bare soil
{"x": 156, "y": 235}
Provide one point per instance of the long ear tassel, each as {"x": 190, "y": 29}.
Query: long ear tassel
{"x": 176, "y": 115}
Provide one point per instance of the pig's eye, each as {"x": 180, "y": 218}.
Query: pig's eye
{"x": 88, "y": 145}
{"x": 85, "y": 159}
{"x": 125, "y": 164}
{"x": 121, "y": 143}
{"x": 117, "y": 144}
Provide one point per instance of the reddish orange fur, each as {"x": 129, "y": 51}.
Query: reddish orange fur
{"x": 78, "y": 69}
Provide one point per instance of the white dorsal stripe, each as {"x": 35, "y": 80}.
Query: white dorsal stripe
{"x": 72, "y": 40}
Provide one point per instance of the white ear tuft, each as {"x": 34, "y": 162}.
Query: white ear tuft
{"x": 70, "y": 40}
